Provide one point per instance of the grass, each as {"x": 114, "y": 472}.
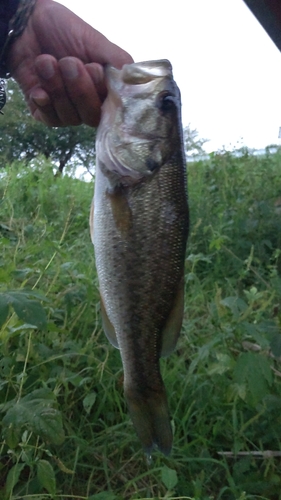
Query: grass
{"x": 65, "y": 430}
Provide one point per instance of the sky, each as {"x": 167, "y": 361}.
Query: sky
{"x": 225, "y": 64}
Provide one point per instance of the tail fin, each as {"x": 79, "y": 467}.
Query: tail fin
{"x": 150, "y": 415}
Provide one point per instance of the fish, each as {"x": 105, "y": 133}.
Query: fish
{"x": 139, "y": 227}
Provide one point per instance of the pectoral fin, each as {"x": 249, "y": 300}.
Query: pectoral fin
{"x": 107, "y": 326}
{"x": 121, "y": 210}
{"x": 171, "y": 331}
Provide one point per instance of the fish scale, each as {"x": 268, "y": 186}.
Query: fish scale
{"x": 139, "y": 229}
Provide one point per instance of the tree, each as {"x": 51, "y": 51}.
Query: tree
{"x": 193, "y": 145}
{"x": 24, "y": 138}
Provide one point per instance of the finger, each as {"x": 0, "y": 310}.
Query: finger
{"x": 96, "y": 72}
{"x": 42, "y": 109}
{"x": 105, "y": 52}
{"x": 83, "y": 88}
{"x": 60, "y": 109}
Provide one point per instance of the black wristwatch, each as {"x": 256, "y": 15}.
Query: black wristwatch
{"x": 15, "y": 15}
{"x": 16, "y": 26}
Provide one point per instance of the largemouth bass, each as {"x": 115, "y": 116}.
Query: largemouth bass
{"x": 139, "y": 227}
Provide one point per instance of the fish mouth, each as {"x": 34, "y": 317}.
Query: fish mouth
{"x": 142, "y": 72}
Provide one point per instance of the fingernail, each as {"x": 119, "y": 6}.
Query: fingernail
{"x": 46, "y": 69}
{"x": 39, "y": 97}
{"x": 68, "y": 68}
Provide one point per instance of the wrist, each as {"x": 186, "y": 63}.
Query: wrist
{"x": 16, "y": 26}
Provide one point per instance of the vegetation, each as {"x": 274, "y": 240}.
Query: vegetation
{"x": 194, "y": 145}
{"x": 25, "y": 139}
{"x": 64, "y": 430}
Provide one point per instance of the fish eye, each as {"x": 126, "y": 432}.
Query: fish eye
{"x": 165, "y": 101}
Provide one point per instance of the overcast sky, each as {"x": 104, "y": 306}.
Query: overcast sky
{"x": 227, "y": 68}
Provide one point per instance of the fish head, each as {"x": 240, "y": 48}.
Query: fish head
{"x": 140, "y": 127}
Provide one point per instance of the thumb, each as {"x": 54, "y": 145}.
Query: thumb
{"x": 104, "y": 52}
{"x": 71, "y": 36}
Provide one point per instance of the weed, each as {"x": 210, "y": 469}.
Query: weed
{"x": 65, "y": 430}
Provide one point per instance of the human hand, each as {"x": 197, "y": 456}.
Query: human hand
{"x": 58, "y": 62}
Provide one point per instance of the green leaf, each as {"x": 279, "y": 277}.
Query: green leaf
{"x": 235, "y": 304}
{"x": 5, "y": 366}
{"x": 89, "y": 400}
{"x": 12, "y": 436}
{"x": 35, "y": 411}
{"x": 4, "y": 309}
{"x": 224, "y": 364}
{"x": 236, "y": 390}
{"x": 275, "y": 345}
{"x": 13, "y": 477}
{"x": 218, "y": 242}
{"x": 169, "y": 477}
{"x": 30, "y": 311}
{"x": 46, "y": 476}
{"x": 254, "y": 370}
{"x": 103, "y": 495}
{"x": 32, "y": 293}
{"x": 269, "y": 328}
{"x": 49, "y": 425}
{"x": 256, "y": 333}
